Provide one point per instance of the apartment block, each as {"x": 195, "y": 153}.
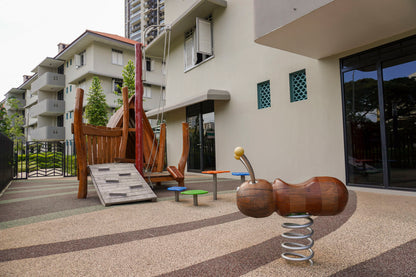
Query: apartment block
{"x": 140, "y": 16}
{"x": 48, "y": 96}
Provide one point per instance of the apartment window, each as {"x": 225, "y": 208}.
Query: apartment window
{"x": 66, "y": 116}
{"x": 263, "y": 95}
{"x": 150, "y": 64}
{"x": 147, "y": 91}
{"x": 117, "y": 85}
{"x": 66, "y": 90}
{"x": 60, "y": 121}
{"x": 117, "y": 57}
{"x": 70, "y": 88}
{"x": 298, "y": 91}
{"x": 198, "y": 43}
{"x": 80, "y": 59}
{"x": 70, "y": 62}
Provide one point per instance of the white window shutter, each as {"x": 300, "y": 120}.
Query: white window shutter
{"x": 189, "y": 52}
{"x": 203, "y": 36}
{"x": 77, "y": 60}
{"x": 120, "y": 59}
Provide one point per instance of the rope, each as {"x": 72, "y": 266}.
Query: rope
{"x": 165, "y": 60}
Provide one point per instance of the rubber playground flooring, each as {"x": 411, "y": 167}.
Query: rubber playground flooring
{"x": 46, "y": 231}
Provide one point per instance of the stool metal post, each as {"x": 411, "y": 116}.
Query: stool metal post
{"x": 195, "y": 199}
{"x": 214, "y": 176}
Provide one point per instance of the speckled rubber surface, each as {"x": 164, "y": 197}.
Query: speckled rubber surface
{"x": 46, "y": 231}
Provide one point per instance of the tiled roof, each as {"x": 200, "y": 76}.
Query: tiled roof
{"x": 116, "y": 37}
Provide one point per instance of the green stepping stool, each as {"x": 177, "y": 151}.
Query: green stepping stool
{"x": 195, "y": 194}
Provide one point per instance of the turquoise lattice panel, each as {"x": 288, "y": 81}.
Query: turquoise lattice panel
{"x": 263, "y": 95}
{"x": 298, "y": 90}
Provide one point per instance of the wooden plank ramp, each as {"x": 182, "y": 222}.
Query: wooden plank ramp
{"x": 118, "y": 183}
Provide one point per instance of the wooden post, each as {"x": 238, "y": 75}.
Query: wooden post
{"x": 80, "y": 145}
{"x": 123, "y": 145}
{"x": 139, "y": 109}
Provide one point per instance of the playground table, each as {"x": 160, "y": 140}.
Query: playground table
{"x": 195, "y": 194}
{"x": 242, "y": 175}
{"x": 177, "y": 190}
{"x": 214, "y": 177}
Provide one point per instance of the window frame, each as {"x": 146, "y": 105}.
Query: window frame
{"x": 191, "y": 42}
{"x": 117, "y": 57}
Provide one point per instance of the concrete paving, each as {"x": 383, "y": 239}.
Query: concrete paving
{"x": 46, "y": 231}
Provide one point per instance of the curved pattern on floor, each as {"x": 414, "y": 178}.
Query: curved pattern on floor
{"x": 232, "y": 264}
{"x": 248, "y": 259}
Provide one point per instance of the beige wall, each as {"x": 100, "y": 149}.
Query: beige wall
{"x": 293, "y": 141}
{"x": 175, "y": 8}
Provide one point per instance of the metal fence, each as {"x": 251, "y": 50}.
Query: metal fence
{"x": 6, "y": 161}
{"x": 44, "y": 159}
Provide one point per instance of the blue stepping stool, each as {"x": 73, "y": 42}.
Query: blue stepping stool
{"x": 242, "y": 175}
{"x": 177, "y": 190}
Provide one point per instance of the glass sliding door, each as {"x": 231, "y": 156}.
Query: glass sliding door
{"x": 399, "y": 90}
{"x": 379, "y": 99}
{"x": 201, "y": 120}
{"x": 363, "y": 126}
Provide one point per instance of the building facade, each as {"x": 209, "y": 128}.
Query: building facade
{"x": 139, "y": 15}
{"x": 298, "y": 84}
{"x": 50, "y": 91}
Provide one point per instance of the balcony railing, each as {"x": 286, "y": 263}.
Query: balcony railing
{"x": 48, "y": 107}
{"x": 48, "y": 133}
{"x": 49, "y": 81}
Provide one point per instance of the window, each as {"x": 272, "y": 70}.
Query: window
{"x": 117, "y": 85}
{"x": 263, "y": 95}
{"x": 147, "y": 91}
{"x": 150, "y": 64}
{"x": 117, "y": 57}
{"x": 198, "y": 43}
{"x": 298, "y": 90}
{"x": 379, "y": 102}
{"x": 80, "y": 59}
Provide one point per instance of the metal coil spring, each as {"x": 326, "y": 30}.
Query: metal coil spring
{"x": 291, "y": 256}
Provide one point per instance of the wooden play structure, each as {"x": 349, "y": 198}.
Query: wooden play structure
{"x": 319, "y": 196}
{"x": 115, "y": 144}
{"x": 128, "y": 138}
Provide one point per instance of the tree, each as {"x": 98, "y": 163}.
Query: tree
{"x": 11, "y": 124}
{"x": 96, "y": 109}
{"x": 129, "y": 74}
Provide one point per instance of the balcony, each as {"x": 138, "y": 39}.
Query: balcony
{"x": 323, "y": 28}
{"x": 48, "y": 81}
{"x": 48, "y": 107}
{"x": 135, "y": 3}
{"x": 48, "y": 133}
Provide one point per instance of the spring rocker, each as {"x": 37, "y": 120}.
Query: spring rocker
{"x": 318, "y": 196}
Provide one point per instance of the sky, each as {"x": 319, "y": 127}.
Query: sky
{"x": 30, "y": 31}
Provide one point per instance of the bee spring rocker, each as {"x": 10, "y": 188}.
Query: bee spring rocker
{"x": 318, "y": 196}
